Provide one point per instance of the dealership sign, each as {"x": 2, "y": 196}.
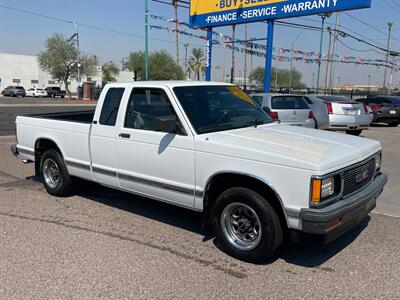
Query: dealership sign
{"x": 211, "y": 13}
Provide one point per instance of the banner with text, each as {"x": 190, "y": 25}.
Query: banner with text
{"x": 212, "y": 13}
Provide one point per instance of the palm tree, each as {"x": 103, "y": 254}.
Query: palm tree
{"x": 196, "y": 61}
{"x": 110, "y": 71}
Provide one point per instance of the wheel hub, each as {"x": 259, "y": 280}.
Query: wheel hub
{"x": 241, "y": 226}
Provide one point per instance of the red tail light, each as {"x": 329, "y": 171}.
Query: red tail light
{"x": 366, "y": 109}
{"x": 329, "y": 106}
{"x": 274, "y": 115}
{"x": 311, "y": 115}
{"x": 375, "y": 107}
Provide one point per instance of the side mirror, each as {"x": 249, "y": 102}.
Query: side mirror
{"x": 167, "y": 124}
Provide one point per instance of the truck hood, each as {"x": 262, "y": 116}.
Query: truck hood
{"x": 290, "y": 146}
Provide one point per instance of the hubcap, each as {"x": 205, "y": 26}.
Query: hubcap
{"x": 241, "y": 226}
{"x": 51, "y": 173}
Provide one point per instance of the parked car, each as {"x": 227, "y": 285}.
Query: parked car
{"x": 290, "y": 110}
{"x": 320, "y": 111}
{"x": 392, "y": 99}
{"x": 35, "y": 92}
{"x": 14, "y": 91}
{"x": 384, "y": 108}
{"x": 55, "y": 91}
{"x": 210, "y": 148}
{"x": 347, "y": 115}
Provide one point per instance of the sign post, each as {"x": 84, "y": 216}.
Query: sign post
{"x": 208, "y": 54}
{"x": 268, "y": 60}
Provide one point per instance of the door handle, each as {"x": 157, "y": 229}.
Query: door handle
{"x": 125, "y": 135}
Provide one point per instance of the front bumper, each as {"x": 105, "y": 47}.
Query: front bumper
{"x": 334, "y": 220}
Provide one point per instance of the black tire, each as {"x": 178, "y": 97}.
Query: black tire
{"x": 393, "y": 124}
{"x": 316, "y": 124}
{"x": 62, "y": 97}
{"x": 354, "y": 132}
{"x": 63, "y": 186}
{"x": 271, "y": 236}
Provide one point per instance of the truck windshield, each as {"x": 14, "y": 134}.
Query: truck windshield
{"x": 216, "y": 108}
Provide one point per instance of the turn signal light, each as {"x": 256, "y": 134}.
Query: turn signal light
{"x": 316, "y": 191}
{"x": 375, "y": 107}
{"x": 274, "y": 115}
{"x": 311, "y": 115}
{"x": 329, "y": 106}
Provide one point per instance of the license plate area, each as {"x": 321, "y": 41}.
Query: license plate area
{"x": 392, "y": 112}
{"x": 351, "y": 112}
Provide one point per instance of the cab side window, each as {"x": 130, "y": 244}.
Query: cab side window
{"x": 111, "y": 103}
{"x": 147, "y": 108}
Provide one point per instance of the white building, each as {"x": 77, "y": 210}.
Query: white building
{"x": 24, "y": 70}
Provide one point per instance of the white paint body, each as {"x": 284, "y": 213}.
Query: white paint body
{"x": 283, "y": 157}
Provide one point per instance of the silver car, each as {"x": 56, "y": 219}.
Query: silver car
{"x": 290, "y": 110}
{"x": 346, "y": 114}
{"x": 320, "y": 110}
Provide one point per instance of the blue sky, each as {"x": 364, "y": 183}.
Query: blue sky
{"x": 25, "y": 34}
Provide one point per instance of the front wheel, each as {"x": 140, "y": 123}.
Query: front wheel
{"x": 246, "y": 225}
{"x": 56, "y": 178}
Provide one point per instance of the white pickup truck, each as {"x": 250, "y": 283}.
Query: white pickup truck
{"x": 210, "y": 148}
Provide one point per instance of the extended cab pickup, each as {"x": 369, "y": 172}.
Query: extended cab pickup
{"x": 210, "y": 148}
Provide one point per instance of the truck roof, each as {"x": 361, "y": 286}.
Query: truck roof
{"x": 170, "y": 84}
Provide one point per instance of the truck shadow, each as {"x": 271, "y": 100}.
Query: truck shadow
{"x": 309, "y": 253}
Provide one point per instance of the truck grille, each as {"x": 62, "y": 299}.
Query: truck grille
{"x": 358, "y": 177}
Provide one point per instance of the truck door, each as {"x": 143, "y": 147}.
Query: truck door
{"x": 103, "y": 135}
{"x": 154, "y": 161}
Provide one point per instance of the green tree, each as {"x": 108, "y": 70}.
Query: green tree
{"x": 196, "y": 61}
{"x": 60, "y": 58}
{"x": 134, "y": 62}
{"x": 109, "y": 72}
{"x": 279, "y": 78}
{"x": 162, "y": 66}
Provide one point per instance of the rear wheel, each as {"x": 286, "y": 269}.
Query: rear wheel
{"x": 246, "y": 225}
{"x": 56, "y": 178}
{"x": 354, "y": 132}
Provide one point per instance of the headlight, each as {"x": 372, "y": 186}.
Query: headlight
{"x": 322, "y": 189}
{"x": 378, "y": 162}
{"x": 327, "y": 187}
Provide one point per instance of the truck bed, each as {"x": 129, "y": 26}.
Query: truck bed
{"x": 84, "y": 116}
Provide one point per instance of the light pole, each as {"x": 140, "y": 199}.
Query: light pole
{"x": 233, "y": 53}
{"x": 291, "y": 60}
{"x": 245, "y": 59}
{"x": 186, "y": 60}
{"x": 313, "y": 80}
{"x": 328, "y": 59}
{"x": 175, "y": 4}
{"x": 390, "y": 26}
{"x": 323, "y": 17}
{"x": 146, "y": 37}
{"x": 332, "y": 64}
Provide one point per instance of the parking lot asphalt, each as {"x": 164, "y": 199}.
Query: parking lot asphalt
{"x": 102, "y": 243}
